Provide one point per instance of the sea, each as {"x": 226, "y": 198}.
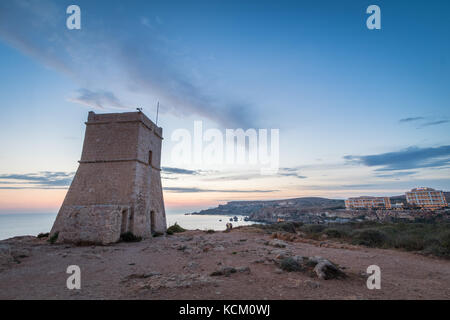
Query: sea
{"x": 22, "y": 224}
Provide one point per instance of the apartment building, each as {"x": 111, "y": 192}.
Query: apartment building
{"x": 426, "y": 198}
{"x": 368, "y": 203}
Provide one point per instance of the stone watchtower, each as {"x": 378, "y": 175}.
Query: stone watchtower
{"x": 117, "y": 187}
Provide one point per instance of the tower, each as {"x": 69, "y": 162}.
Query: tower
{"x": 117, "y": 187}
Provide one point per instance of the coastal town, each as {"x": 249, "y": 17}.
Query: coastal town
{"x": 418, "y": 203}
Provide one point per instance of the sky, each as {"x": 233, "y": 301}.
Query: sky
{"x": 359, "y": 111}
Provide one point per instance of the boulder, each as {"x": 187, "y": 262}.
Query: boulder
{"x": 316, "y": 266}
{"x": 300, "y": 259}
{"x": 327, "y": 270}
{"x": 281, "y": 254}
{"x": 243, "y": 269}
{"x": 277, "y": 243}
{"x": 289, "y": 264}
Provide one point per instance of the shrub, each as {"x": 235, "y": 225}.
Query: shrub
{"x": 43, "y": 235}
{"x": 286, "y": 236}
{"x": 445, "y": 241}
{"x": 175, "y": 229}
{"x": 370, "y": 237}
{"x": 53, "y": 238}
{"x": 437, "y": 250}
{"x": 334, "y": 233}
{"x": 129, "y": 237}
{"x": 410, "y": 242}
{"x": 289, "y": 264}
{"x": 157, "y": 234}
{"x": 288, "y": 227}
{"x": 279, "y": 226}
{"x": 210, "y": 231}
{"x": 313, "y": 228}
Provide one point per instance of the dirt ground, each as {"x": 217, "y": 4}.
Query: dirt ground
{"x": 179, "y": 267}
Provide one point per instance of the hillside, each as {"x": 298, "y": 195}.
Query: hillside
{"x": 248, "y": 208}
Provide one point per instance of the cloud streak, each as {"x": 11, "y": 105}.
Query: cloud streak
{"x": 197, "y": 190}
{"x": 40, "y": 180}
{"x": 99, "y": 100}
{"x": 282, "y": 172}
{"x": 410, "y": 158}
{"x": 171, "y": 170}
{"x": 412, "y": 119}
{"x": 434, "y": 123}
{"x": 423, "y": 124}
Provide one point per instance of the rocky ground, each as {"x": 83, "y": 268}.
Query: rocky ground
{"x": 243, "y": 264}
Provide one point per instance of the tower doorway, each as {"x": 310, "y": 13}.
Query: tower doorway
{"x": 124, "y": 225}
{"x": 152, "y": 221}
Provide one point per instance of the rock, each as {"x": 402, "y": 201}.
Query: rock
{"x": 363, "y": 274}
{"x": 182, "y": 247}
{"x": 192, "y": 265}
{"x": 312, "y": 284}
{"x": 175, "y": 281}
{"x": 219, "y": 248}
{"x": 315, "y": 259}
{"x": 277, "y": 243}
{"x": 91, "y": 256}
{"x": 327, "y": 270}
{"x": 142, "y": 275}
{"x": 300, "y": 259}
{"x": 224, "y": 271}
{"x": 289, "y": 264}
{"x": 258, "y": 261}
{"x": 5, "y": 256}
{"x": 316, "y": 266}
{"x": 243, "y": 269}
{"x": 281, "y": 254}
{"x": 20, "y": 253}
{"x": 278, "y": 271}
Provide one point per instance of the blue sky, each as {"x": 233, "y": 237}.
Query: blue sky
{"x": 359, "y": 111}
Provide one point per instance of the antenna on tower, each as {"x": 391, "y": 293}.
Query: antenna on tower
{"x": 157, "y": 113}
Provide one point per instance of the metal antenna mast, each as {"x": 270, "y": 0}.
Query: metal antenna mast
{"x": 157, "y": 113}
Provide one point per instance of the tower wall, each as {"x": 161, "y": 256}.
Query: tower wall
{"x": 117, "y": 187}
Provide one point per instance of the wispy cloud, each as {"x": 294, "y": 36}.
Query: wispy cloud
{"x": 172, "y": 170}
{"x": 196, "y": 190}
{"x": 424, "y": 122}
{"x": 233, "y": 176}
{"x": 410, "y": 158}
{"x": 434, "y": 123}
{"x": 99, "y": 99}
{"x": 397, "y": 174}
{"x": 291, "y": 172}
{"x": 115, "y": 66}
{"x": 410, "y": 119}
{"x": 39, "y": 180}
